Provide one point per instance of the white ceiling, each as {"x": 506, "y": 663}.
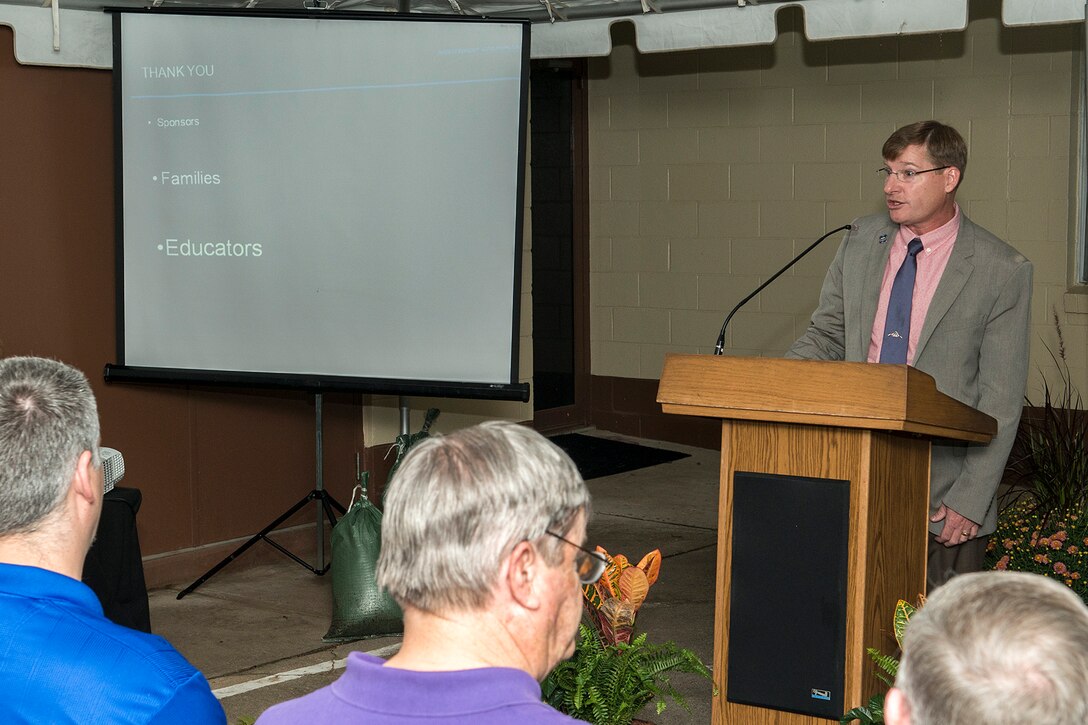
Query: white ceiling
{"x": 77, "y": 32}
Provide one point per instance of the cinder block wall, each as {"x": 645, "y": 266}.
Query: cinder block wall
{"x": 710, "y": 169}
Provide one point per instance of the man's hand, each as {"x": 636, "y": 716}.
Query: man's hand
{"x": 957, "y": 528}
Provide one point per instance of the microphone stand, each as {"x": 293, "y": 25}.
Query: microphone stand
{"x": 720, "y": 345}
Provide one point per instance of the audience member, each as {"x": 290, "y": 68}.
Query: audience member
{"x": 482, "y": 546}
{"x": 994, "y": 648}
{"x": 62, "y": 661}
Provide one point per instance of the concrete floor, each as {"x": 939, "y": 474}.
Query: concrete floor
{"x": 256, "y": 632}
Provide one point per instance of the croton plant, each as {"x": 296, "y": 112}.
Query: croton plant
{"x": 613, "y": 601}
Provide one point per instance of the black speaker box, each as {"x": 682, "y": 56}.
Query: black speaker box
{"x": 787, "y": 612}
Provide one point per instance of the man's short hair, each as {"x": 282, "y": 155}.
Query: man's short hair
{"x": 459, "y": 503}
{"x": 997, "y": 648}
{"x": 48, "y": 417}
{"x": 944, "y": 144}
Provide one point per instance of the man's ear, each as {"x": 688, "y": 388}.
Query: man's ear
{"x": 896, "y": 708}
{"x": 523, "y": 572}
{"x": 952, "y": 177}
{"x": 86, "y": 485}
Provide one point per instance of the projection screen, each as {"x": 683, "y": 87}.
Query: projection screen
{"x": 320, "y": 201}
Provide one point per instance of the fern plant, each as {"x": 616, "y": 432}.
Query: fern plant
{"x": 607, "y": 684}
{"x": 872, "y": 713}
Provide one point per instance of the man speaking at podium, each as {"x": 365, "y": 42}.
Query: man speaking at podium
{"x": 925, "y": 286}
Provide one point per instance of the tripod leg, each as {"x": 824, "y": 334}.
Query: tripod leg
{"x": 330, "y": 505}
{"x": 250, "y": 542}
{"x": 326, "y": 504}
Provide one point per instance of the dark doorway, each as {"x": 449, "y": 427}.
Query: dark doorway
{"x": 559, "y": 237}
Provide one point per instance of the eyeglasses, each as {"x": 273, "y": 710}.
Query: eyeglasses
{"x": 590, "y": 564}
{"x": 906, "y": 176}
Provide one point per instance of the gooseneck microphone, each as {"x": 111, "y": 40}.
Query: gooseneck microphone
{"x": 720, "y": 345}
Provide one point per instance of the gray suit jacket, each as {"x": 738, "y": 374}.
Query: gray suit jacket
{"x": 974, "y": 342}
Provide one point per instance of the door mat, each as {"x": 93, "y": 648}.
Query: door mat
{"x": 596, "y": 457}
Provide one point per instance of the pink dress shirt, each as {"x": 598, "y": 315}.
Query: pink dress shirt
{"x": 936, "y": 251}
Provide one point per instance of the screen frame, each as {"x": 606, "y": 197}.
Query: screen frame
{"x": 122, "y": 372}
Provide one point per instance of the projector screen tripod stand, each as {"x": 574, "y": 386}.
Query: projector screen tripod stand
{"x": 326, "y": 507}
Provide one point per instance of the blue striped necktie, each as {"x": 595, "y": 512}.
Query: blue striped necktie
{"x": 897, "y": 324}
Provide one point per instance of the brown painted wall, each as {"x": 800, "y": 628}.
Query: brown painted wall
{"x": 213, "y": 464}
{"x": 629, "y": 406}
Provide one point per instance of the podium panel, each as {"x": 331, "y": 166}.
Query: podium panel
{"x": 822, "y": 422}
{"x": 787, "y": 626}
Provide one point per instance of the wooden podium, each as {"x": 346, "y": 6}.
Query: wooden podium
{"x": 864, "y": 426}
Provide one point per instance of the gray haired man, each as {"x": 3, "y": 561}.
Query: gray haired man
{"x": 62, "y": 661}
{"x": 483, "y": 547}
{"x": 994, "y": 648}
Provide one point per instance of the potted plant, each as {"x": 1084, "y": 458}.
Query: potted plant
{"x": 613, "y": 600}
{"x": 1042, "y": 527}
{"x": 613, "y": 674}
{"x": 608, "y": 684}
{"x": 872, "y": 713}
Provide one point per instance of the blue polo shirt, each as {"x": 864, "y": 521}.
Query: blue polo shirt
{"x": 62, "y": 661}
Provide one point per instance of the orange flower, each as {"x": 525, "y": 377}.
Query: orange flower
{"x": 1042, "y": 558}
{"x": 1009, "y": 543}
{"x": 1003, "y": 563}
{"x": 1072, "y": 549}
{"x": 1060, "y": 568}
{"x": 1055, "y": 544}
{"x": 1043, "y": 542}
{"x": 1060, "y": 536}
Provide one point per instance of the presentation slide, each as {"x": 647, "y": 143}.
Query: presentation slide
{"x": 323, "y": 197}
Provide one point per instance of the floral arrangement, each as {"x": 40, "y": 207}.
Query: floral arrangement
{"x": 1043, "y": 526}
{"x": 613, "y": 600}
{"x": 1054, "y": 546}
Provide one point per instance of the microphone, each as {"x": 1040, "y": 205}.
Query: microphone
{"x": 113, "y": 467}
{"x": 720, "y": 345}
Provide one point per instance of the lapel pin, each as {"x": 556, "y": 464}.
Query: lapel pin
{"x": 883, "y": 238}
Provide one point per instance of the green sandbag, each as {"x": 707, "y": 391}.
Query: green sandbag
{"x": 405, "y": 441}
{"x": 360, "y": 609}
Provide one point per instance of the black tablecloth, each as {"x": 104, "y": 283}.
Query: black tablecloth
{"x": 114, "y": 569}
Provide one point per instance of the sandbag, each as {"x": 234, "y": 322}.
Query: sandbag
{"x": 405, "y": 441}
{"x": 359, "y": 609}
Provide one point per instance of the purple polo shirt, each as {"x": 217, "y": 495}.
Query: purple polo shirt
{"x": 369, "y": 693}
